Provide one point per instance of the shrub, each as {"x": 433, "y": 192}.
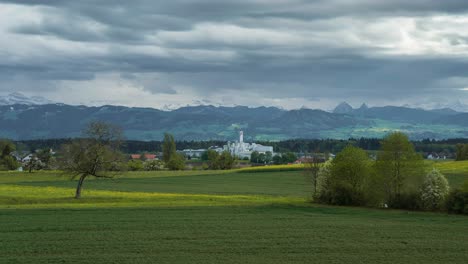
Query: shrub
{"x": 177, "y": 162}
{"x": 324, "y": 190}
{"x": 407, "y": 201}
{"x": 135, "y": 165}
{"x": 457, "y": 202}
{"x": 224, "y": 161}
{"x": 465, "y": 186}
{"x": 153, "y": 165}
{"x": 434, "y": 190}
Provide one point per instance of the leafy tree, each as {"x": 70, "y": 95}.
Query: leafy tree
{"x": 204, "y": 155}
{"x": 268, "y": 157}
{"x": 462, "y": 152}
{"x": 261, "y": 158}
{"x": 211, "y": 156}
{"x": 33, "y": 164}
{"x": 224, "y": 161}
{"x": 434, "y": 190}
{"x": 6, "y": 147}
{"x": 7, "y": 162}
{"x": 254, "y": 157}
{"x": 97, "y": 154}
{"x": 401, "y": 169}
{"x": 277, "y": 159}
{"x": 350, "y": 172}
{"x": 168, "y": 147}
{"x": 177, "y": 162}
{"x": 45, "y": 157}
{"x": 288, "y": 157}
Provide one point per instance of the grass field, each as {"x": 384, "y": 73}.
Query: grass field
{"x": 455, "y": 171}
{"x": 212, "y": 217}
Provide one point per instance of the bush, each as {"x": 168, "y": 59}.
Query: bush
{"x": 324, "y": 189}
{"x": 407, "y": 201}
{"x": 457, "y": 202}
{"x": 135, "y": 165}
{"x": 153, "y": 165}
{"x": 177, "y": 162}
{"x": 288, "y": 157}
{"x": 465, "y": 186}
{"x": 434, "y": 190}
{"x": 224, "y": 161}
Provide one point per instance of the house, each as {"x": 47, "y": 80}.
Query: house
{"x": 19, "y": 155}
{"x": 433, "y": 156}
{"x": 28, "y": 158}
{"x": 146, "y": 156}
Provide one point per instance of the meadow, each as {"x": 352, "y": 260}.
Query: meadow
{"x": 213, "y": 217}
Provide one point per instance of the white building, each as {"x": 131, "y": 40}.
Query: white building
{"x": 193, "y": 153}
{"x": 241, "y": 149}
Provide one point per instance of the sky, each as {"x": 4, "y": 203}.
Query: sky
{"x": 285, "y": 53}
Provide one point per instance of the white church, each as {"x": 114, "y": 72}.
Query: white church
{"x": 241, "y": 149}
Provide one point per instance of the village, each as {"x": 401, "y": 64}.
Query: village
{"x": 246, "y": 154}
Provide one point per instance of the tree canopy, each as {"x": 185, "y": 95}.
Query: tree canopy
{"x": 401, "y": 169}
{"x": 168, "y": 147}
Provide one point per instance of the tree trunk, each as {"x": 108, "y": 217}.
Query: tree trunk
{"x": 78, "y": 188}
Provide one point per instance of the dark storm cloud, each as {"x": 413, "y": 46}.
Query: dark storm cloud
{"x": 276, "y": 48}
{"x": 326, "y": 77}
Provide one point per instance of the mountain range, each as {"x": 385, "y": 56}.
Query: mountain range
{"x": 22, "y": 119}
{"x": 19, "y": 98}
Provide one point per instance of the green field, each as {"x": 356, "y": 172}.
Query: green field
{"x": 455, "y": 171}
{"x": 213, "y": 217}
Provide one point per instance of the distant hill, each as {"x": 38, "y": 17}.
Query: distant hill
{"x": 36, "y": 121}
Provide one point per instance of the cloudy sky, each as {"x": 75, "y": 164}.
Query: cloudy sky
{"x": 288, "y": 53}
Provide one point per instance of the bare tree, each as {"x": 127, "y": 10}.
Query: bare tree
{"x": 311, "y": 171}
{"x": 97, "y": 154}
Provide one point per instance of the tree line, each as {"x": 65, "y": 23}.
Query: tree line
{"x": 448, "y": 146}
{"x": 397, "y": 178}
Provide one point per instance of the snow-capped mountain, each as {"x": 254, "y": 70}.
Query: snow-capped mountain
{"x": 456, "y": 105}
{"x": 19, "y": 98}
